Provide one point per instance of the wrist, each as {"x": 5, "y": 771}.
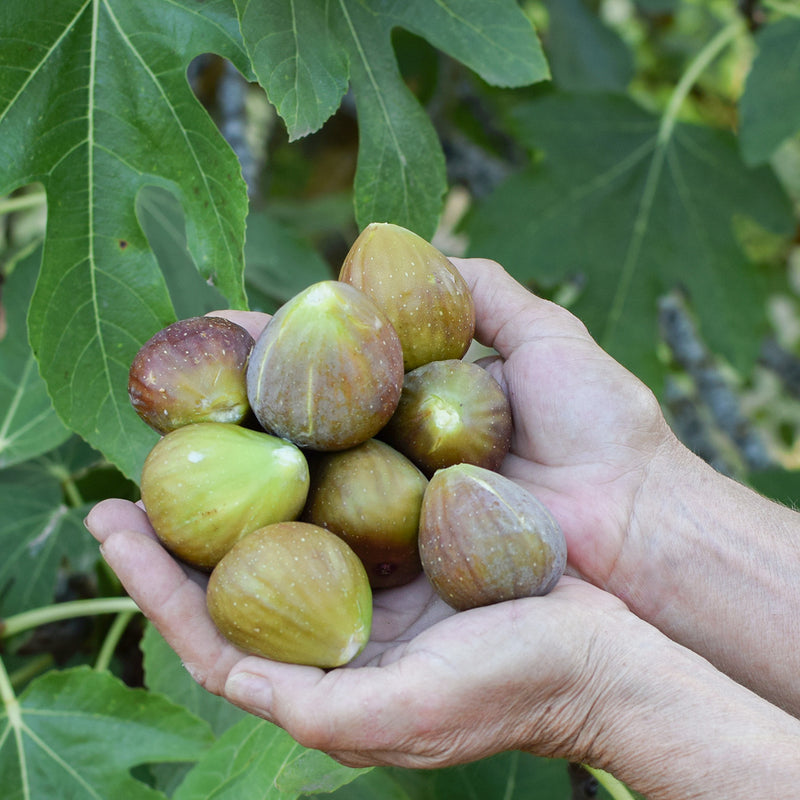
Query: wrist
{"x": 668, "y": 724}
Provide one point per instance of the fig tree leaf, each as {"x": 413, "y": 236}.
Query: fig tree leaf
{"x": 38, "y": 534}
{"x": 584, "y": 53}
{"x": 296, "y": 60}
{"x": 303, "y": 52}
{"x": 76, "y": 734}
{"x": 255, "y": 758}
{"x": 29, "y": 425}
{"x": 770, "y": 104}
{"x": 165, "y": 673}
{"x": 634, "y": 208}
{"x": 95, "y": 104}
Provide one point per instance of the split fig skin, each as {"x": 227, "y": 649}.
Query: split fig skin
{"x": 192, "y": 371}
{"x": 483, "y": 539}
{"x": 207, "y": 485}
{"x": 451, "y": 412}
{"x": 292, "y": 592}
{"x": 417, "y": 287}
{"x": 327, "y": 371}
{"x": 371, "y": 497}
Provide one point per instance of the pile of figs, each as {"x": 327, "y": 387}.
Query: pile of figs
{"x": 347, "y": 450}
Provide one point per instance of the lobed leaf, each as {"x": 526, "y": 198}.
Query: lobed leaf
{"x": 76, "y": 734}
{"x": 95, "y": 104}
{"x": 634, "y": 212}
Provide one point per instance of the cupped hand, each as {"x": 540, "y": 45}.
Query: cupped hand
{"x": 586, "y": 430}
{"x": 432, "y": 687}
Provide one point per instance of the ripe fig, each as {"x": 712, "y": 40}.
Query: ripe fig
{"x": 327, "y": 371}
{"x": 417, "y": 287}
{"x": 370, "y": 496}
{"x": 191, "y": 371}
{"x": 484, "y": 539}
{"x": 207, "y": 485}
{"x": 450, "y": 412}
{"x": 292, "y": 592}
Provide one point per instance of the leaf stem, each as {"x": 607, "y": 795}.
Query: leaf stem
{"x": 679, "y": 94}
{"x": 14, "y": 714}
{"x": 11, "y": 204}
{"x": 112, "y": 639}
{"x": 31, "y": 669}
{"x": 615, "y": 788}
{"x": 58, "y": 611}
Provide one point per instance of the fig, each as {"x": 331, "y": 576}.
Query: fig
{"x": 205, "y": 486}
{"x": 450, "y": 412}
{"x": 327, "y": 371}
{"x": 191, "y": 371}
{"x": 417, "y": 287}
{"x": 370, "y": 496}
{"x": 483, "y": 539}
{"x": 292, "y": 592}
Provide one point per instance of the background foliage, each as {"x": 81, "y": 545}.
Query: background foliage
{"x": 636, "y": 160}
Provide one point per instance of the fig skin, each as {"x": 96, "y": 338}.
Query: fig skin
{"x": 417, "y": 287}
{"x": 451, "y": 412}
{"x": 370, "y": 496}
{"x": 483, "y": 539}
{"x": 292, "y": 592}
{"x": 327, "y": 371}
{"x": 205, "y": 486}
{"x": 192, "y": 371}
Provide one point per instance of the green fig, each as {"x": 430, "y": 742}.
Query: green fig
{"x": 450, "y": 412}
{"x": 417, "y": 287}
{"x": 327, "y": 371}
{"x": 483, "y": 539}
{"x": 191, "y": 371}
{"x": 205, "y": 486}
{"x": 370, "y": 496}
{"x": 292, "y": 592}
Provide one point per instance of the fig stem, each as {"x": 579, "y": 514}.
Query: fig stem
{"x": 615, "y": 788}
{"x": 31, "y": 200}
{"x": 14, "y": 714}
{"x": 58, "y": 611}
{"x": 112, "y": 638}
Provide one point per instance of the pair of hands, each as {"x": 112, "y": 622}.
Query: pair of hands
{"x": 432, "y": 687}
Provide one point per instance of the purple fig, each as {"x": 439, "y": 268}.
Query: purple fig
{"x": 370, "y": 496}
{"x": 292, "y": 592}
{"x": 484, "y": 539}
{"x": 207, "y": 485}
{"x": 417, "y": 287}
{"x": 191, "y": 371}
{"x": 451, "y": 412}
{"x": 327, "y": 371}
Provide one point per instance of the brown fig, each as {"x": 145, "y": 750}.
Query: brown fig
{"x": 292, "y": 592}
{"x": 484, "y": 539}
{"x": 451, "y": 412}
{"x": 191, "y": 371}
{"x": 417, "y": 287}
{"x": 327, "y": 371}
{"x": 205, "y": 486}
{"x": 370, "y": 496}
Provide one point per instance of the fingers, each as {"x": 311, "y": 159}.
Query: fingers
{"x": 507, "y": 314}
{"x": 164, "y": 590}
{"x": 252, "y": 321}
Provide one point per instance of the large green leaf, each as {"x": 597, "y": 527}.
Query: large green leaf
{"x": 95, "y": 104}
{"x": 301, "y": 52}
{"x": 257, "y": 759}
{"x": 770, "y": 104}
{"x": 635, "y": 207}
{"x": 28, "y": 423}
{"x": 75, "y": 735}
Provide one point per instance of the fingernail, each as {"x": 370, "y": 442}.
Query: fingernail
{"x": 251, "y": 692}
